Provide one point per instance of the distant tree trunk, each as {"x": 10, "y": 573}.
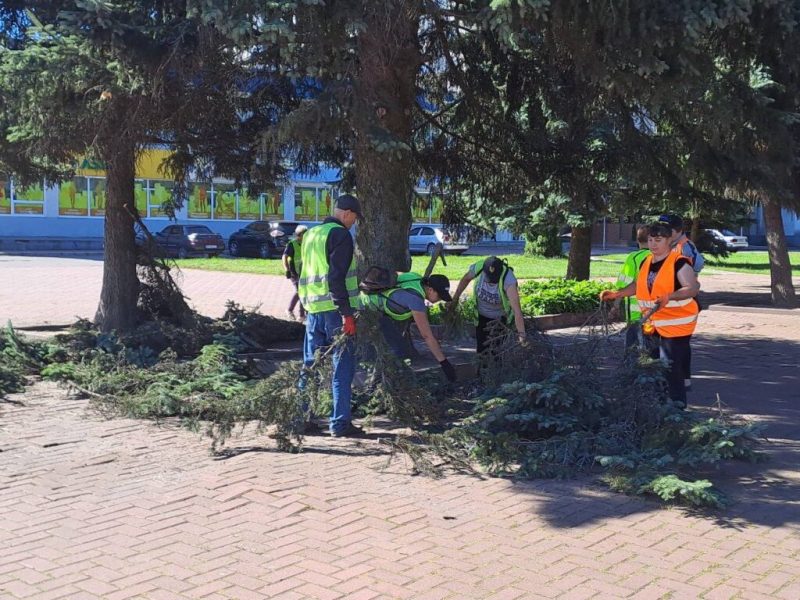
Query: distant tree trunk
{"x": 695, "y": 232}
{"x": 118, "y": 296}
{"x": 780, "y": 268}
{"x": 580, "y": 252}
{"x": 385, "y": 95}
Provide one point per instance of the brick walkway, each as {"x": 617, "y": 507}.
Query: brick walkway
{"x": 125, "y": 509}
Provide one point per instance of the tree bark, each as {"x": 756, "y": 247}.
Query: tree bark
{"x": 385, "y": 91}
{"x": 780, "y": 269}
{"x": 117, "y": 309}
{"x": 580, "y": 251}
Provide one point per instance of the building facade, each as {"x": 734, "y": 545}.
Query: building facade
{"x": 76, "y": 208}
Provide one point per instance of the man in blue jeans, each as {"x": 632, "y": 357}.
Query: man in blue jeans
{"x": 328, "y": 289}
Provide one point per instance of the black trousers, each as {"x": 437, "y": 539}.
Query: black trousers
{"x": 482, "y": 333}
{"x": 675, "y": 353}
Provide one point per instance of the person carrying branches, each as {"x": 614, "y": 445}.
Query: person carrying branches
{"x": 665, "y": 289}
{"x": 328, "y": 289}
{"x": 497, "y": 298}
{"x": 403, "y": 300}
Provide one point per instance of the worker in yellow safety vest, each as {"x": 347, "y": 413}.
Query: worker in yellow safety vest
{"x": 328, "y": 289}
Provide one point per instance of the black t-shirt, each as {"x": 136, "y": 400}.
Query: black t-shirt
{"x": 655, "y": 267}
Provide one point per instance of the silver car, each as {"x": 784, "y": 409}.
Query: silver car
{"x": 423, "y": 239}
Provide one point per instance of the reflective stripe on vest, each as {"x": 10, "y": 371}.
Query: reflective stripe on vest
{"x": 313, "y": 287}
{"x": 478, "y": 268}
{"x": 630, "y": 270}
{"x": 679, "y": 317}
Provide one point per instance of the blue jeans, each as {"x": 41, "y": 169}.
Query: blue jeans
{"x": 321, "y": 329}
{"x": 393, "y": 334}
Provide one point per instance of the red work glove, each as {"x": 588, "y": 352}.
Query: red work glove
{"x": 608, "y": 295}
{"x": 349, "y": 326}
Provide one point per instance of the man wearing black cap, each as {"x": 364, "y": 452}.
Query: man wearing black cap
{"x": 497, "y": 295}
{"x": 405, "y": 301}
{"x": 682, "y": 244}
{"x": 328, "y": 289}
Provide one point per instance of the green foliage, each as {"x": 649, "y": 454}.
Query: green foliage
{"x": 581, "y": 417}
{"x": 18, "y": 359}
{"x": 545, "y": 243}
{"x": 554, "y": 296}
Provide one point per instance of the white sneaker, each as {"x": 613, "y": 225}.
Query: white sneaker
{"x": 290, "y": 315}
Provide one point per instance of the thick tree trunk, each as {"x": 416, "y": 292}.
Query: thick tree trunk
{"x": 695, "y": 231}
{"x": 385, "y": 94}
{"x": 117, "y": 308}
{"x": 780, "y": 268}
{"x": 580, "y": 252}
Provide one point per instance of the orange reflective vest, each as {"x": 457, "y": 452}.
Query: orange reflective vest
{"x": 678, "y": 317}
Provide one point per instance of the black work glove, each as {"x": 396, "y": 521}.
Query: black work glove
{"x": 448, "y": 369}
{"x": 289, "y": 275}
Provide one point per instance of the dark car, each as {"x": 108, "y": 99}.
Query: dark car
{"x": 184, "y": 241}
{"x": 264, "y": 239}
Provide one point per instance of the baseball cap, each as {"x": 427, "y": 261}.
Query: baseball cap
{"x": 349, "y": 202}
{"x": 672, "y": 221}
{"x": 441, "y": 284}
{"x": 492, "y": 269}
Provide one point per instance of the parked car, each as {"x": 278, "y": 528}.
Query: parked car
{"x": 183, "y": 241}
{"x": 423, "y": 238}
{"x": 732, "y": 241}
{"x": 263, "y": 239}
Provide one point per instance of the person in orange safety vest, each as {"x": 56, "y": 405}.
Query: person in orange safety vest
{"x": 666, "y": 285}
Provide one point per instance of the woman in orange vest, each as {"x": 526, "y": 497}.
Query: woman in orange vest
{"x": 666, "y": 285}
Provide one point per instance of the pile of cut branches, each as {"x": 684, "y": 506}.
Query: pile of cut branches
{"x": 591, "y": 412}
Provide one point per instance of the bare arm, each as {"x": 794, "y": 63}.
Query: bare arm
{"x": 512, "y": 292}
{"x": 421, "y": 320}
{"x": 689, "y": 284}
{"x": 285, "y": 259}
{"x": 462, "y": 285}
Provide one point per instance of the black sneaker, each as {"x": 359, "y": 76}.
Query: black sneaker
{"x": 351, "y": 431}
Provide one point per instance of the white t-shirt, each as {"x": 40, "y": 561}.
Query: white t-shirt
{"x": 488, "y": 294}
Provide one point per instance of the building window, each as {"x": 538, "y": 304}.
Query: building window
{"x": 159, "y": 193}
{"x": 273, "y": 203}
{"x": 224, "y": 204}
{"x": 200, "y": 201}
{"x": 421, "y": 208}
{"x": 249, "y": 206}
{"x": 18, "y": 200}
{"x": 313, "y": 203}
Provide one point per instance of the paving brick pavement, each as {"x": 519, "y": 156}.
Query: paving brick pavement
{"x": 95, "y": 508}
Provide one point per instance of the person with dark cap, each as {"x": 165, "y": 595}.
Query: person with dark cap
{"x": 293, "y": 265}
{"x": 328, "y": 289}
{"x": 683, "y": 246}
{"x": 665, "y": 288}
{"x": 406, "y": 301}
{"x": 497, "y": 297}
{"x": 680, "y": 243}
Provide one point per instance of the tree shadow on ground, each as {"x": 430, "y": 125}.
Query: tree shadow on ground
{"x": 755, "y": 377}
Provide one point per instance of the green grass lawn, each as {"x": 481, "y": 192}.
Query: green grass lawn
{"x": 525, "y": 267}
{"x": 756, "y": 262}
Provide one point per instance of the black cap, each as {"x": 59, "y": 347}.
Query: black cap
{"x": 441, "y": 284}
{"x": 674, "y": 222}
{"x": 492, "y": 269}
{"x": 349, "y": 202}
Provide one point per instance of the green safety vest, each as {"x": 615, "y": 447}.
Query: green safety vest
{"x": 382, "y": 301}
{"x": 297, "y": 257}
{"x": 313, "y": 288}
{"x": 478, "y": 268}
{"x": 630, "y": 270}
